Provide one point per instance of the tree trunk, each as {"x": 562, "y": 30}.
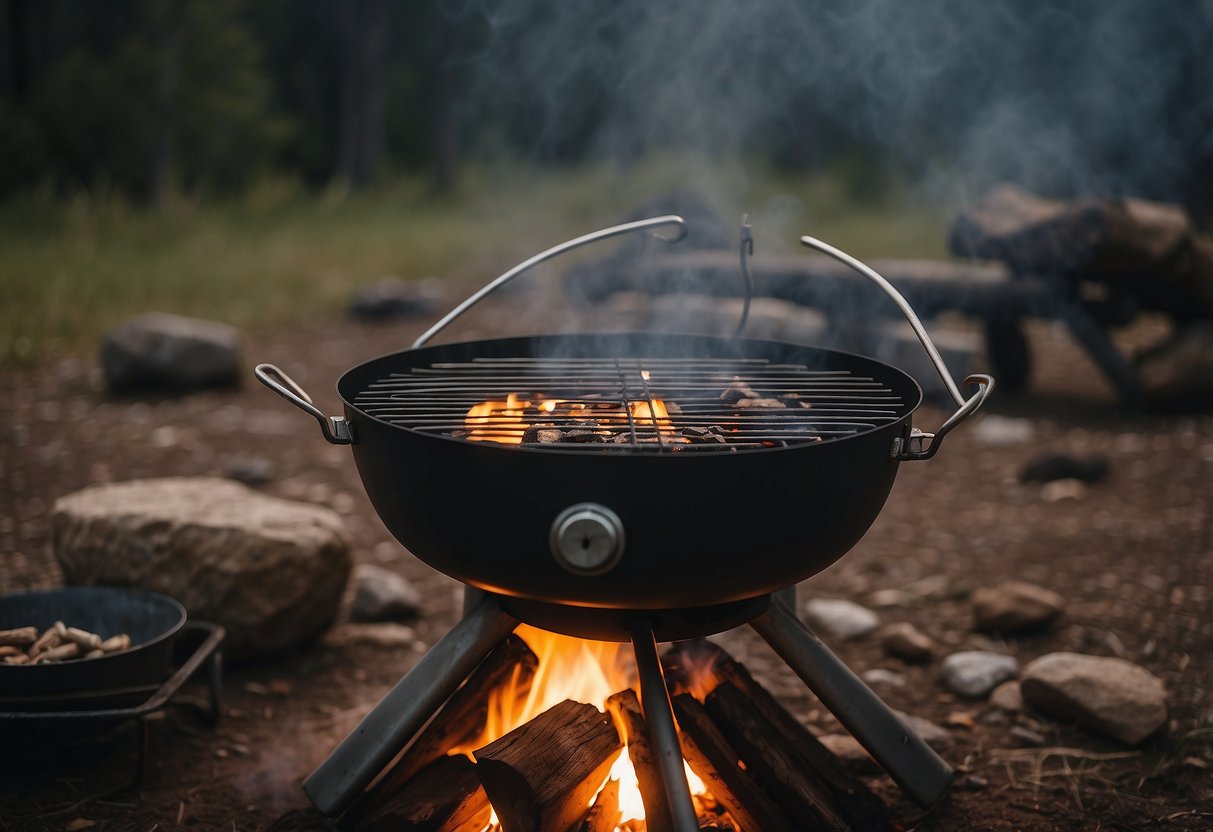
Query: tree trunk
{"x": 172, "y": 47}
{"x": 361, "y": 128}
{"x": 18, "y": 49}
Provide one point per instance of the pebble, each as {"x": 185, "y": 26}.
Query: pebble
{"x": 250, "y": 470}
{"x": 382, "y": 595}
{"x": 1015, "y": 606}
{"x": 927, "y": 731}
{"x": 1110, "y": 696}
{"x": 1007, "y": 697}
{"x": 1058, "y": 490}
{"x": 1053, "y": 467}
{"x": 974, "y": 673}
{"x": 1000, "y": 430}
{"x": 879, "y": 677}
{"x": 841, "y": 618}
{"x": 905, "y": 641}
{"x": 1026, "y": 737}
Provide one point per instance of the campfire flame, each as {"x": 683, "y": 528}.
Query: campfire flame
{"x": 569, "y": 668}
{"x": 505, "y": 421}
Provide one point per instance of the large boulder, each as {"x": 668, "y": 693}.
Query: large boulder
{"x": 271, "y": 571}
{"x": 159, "y": 351}
{"x": 1110, "y": 696}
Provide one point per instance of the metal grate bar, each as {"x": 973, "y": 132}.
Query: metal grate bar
{"x": 634, "y": 404}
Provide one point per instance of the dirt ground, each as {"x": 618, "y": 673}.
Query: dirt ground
{"x": 1133, "y": 557}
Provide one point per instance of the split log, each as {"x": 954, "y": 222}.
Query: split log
{"x": 18, "y": 637}
{"x": 461, "y": 720}
{"x": 715, "y": 761}
{"x": 697, "y": 666}
{"x": 605, "y": 813}
{"x": 542, "y": 775}
{"x": 772, "y": 761}
{"x": 445, "y": 796}
{"x": 629, "y": 719}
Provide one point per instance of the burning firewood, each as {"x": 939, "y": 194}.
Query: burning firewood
{"x": 711, "y": 757}
{"x": 772, "y": 760}
{"x": 445, "y": 796}
{"x": 699, "y": 666}
{"x": 461, "y": 721}
{"x": 542, "y": 775}
{"x": 625, "y": 707}
{"x": 604, "y": 814}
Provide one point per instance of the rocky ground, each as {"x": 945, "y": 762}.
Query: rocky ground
{"x": 1129, "y": 557}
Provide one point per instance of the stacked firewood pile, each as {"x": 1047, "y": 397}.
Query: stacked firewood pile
{"x": 1117, "y": 256}
{"x": 57, "y": 643}
{"x": 762, "y": 769}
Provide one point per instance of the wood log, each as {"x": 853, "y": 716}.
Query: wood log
{"x": 629, "y": 719}
{"x": 445, "y": 796}
{"x": 604, "y": 814}
{"x": 461, "y": 720}
{"x": 715, "y": 761}
{"x": 698, "y": 665}
{"x": 772, "y": 761}
{"x": 542, "y": 775}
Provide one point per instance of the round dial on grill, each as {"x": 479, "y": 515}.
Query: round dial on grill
{"x": 587, "y": 539}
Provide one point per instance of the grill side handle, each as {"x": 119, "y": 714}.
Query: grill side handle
{"x": 918, "y": 445}
{"x": 555, "y": 251}
{"x": 336, "y": 429}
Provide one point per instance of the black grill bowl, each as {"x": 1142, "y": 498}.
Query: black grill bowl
{"x": 700, "y": 529}
{"x": 153, "y": 622}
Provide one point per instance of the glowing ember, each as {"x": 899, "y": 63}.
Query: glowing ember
{"x": 506, "y": 421}
{"x": 569, "y": 668}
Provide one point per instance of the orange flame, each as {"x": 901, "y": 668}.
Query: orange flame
{"x": 506, "y": 421}
{"x": 569, "y": 668}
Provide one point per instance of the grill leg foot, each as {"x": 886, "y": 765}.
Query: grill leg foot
{"x": 912, "y": 764}
{"x": 351, "y": 766}
{"x": 663, "y": 734}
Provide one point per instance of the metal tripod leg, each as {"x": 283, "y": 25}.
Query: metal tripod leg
{"x": 663, "y": 734}
{"x": 909, "y": 761}
{"x": 402, "y": 712}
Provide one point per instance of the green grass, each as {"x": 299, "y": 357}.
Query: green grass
{"x": 72, "y": 268}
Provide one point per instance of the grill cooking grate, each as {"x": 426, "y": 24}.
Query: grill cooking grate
{"x": 820, "y": 405}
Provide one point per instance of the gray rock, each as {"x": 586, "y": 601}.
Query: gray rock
{"x": 270, "y": 571}
{"x": 250, "y": 470}
{"x": 907, "y": 642}
{"x": 841, "y": 618}
{"x": 848, "y": 750}
{"x": 933, "y": 735}
{"x": 974, "y": 673}
{"x": 159, "y": 351}
{"x": 393, "y": 297}
{"x": 1015, "y": 606}
{"x": 999, "y": 431}
{"x": 878, "y": 677}
{"x": 1110, "y": 696}
{"x": 382, "y": 595}
{"x": 1007, "y": 697}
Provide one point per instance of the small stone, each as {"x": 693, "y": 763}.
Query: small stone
{"x": 883, "y": 598}
{"x": 841, "y": 618}
{"x": 386, "y": 634}
{"x": 393, "y": 297}
{"x": 1000, "y": 431}
{"x": 1026, "y": 737}
{"x": 927, "y": 731}
{"x": 1007, "y": 697}
{"x": 960, "y": 719}
{"x": 848, "y": 750}
{"x": 879, "y": 677}
{"x": 907, "y": 642}
{"x": 250, "y": 470}
{"x": 1053, "y": 467}
{"x": 1055, "y": 492}
{"x": 382, "y": 595}
{"x": 974, "y": 673}
{"x": 1110, "y": 696}
{"x": 974, "y": 783}
{"x": 158, "y": 351}
{"x": 1015, "y": 606}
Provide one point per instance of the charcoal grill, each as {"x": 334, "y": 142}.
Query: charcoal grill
{"x": 630, "y": 533}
